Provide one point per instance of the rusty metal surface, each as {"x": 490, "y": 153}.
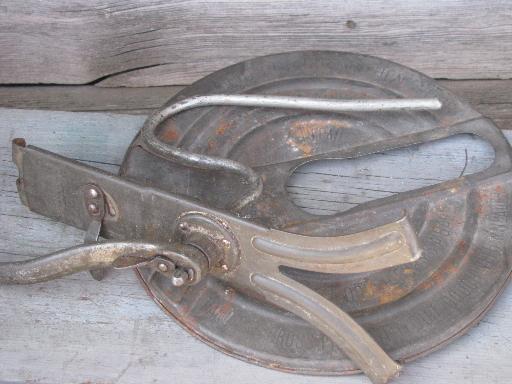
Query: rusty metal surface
{"x": 409, "y": 310}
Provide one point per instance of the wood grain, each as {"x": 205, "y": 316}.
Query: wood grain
{"x": 492, "y": 98}
{"x": 86, "y": 98}
{"x": 77, "y": 330}
{"x": 155, "y": 42}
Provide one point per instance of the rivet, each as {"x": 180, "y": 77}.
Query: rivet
{"x": 162, "y": 267}
{"x": 92, "y": 193}
{"x": 93, "y": 209}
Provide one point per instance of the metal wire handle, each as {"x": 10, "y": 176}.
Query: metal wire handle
{"x": 213, "y": 163}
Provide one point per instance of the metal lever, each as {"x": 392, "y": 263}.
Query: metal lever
{"x": 263, "y": 252}
{"x": 122, "y": 254}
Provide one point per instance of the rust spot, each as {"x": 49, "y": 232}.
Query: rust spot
{"x": 480, "y": 204}
{"x": 223, "y": 127}
{"x": 307, "y": 128}
{"x": 305, "y": 148}
{"x": 212, "y": 145}
{"x": 439, "y": 276}
{"x": 369, "y": 289}
{"x": 387, "y": 293}
{"x": 500, "y": 189}
{"x": 391, "y": 293}
{"x": 20, "y": 142}
{"x": 302, "y": 133}
{"x": 170, "y": 134}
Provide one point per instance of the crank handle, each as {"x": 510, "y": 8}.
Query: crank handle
{"x": 119, "y": 254}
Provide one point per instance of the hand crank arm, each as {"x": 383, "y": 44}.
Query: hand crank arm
{"x": 236, "y": 250}
{"x": 81, "y": 258}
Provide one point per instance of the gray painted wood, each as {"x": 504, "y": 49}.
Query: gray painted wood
{"x": 87, "y": 98}
{"x": 155, "y": 42}
{"x": 492, "y": 98}
{"x": 77, "y": 330}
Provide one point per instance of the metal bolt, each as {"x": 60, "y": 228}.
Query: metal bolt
{"x": 93, "y": 209}
{"x": 179, "y": 277}
{"x": 92, "y": 193}
{"x": 162, "y": 267}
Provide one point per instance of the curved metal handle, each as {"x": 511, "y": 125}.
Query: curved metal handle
{"x": 344, "y": 331}
{"x": 85, "y": 257}
{"x": 213, "y": 163}
{"x": 385, "y": 246}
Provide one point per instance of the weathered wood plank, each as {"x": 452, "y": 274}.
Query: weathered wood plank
{"x": 87, "y": 98}
{"x": 492, "y": 98}
{"x": 142, "y": 43}
{"x": 77, "y": 330}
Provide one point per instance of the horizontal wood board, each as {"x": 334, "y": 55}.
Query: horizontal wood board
{"x": 492, "y": 98}
{"x": 157, "y": 42}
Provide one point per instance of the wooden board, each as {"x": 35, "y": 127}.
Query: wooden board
{"x": 155, "y": 42}
{"x": 77, "y": 330}
{"x": 492, "y": 98}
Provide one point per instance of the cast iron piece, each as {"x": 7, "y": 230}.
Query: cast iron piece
{"x": 232, "y": 256}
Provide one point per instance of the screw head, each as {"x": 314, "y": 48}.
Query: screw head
{"x": 93, "y": 209}
{"x": 179, "y": 277}
{"x": 92, "y": 193}
{"x": 162, "y": 267}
